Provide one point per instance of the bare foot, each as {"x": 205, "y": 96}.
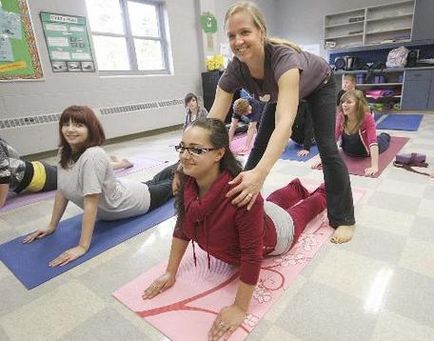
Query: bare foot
{"x": 343, "y": 234}
{"x": 127, "y": 163}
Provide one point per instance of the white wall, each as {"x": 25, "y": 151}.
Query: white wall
{"x": 57, "y": 91}
{"x": 267, "y": 7}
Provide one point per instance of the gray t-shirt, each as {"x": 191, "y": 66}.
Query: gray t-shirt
{"x": 93, "y": 174}
{"x": 278, "y": 60}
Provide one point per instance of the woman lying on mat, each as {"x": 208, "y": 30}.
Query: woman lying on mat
{"x": 19, "y": 176}
{"x": 355, "y": 129}
{"x": 230, "y": 233}
{"x": 85, "y": 177}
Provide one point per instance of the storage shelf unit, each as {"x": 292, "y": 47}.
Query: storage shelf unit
{"x": 369, "y": 26}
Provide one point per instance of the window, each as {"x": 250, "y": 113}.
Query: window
{"x": 128, "y": 36}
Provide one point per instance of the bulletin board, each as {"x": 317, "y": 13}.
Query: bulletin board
{"x": 67, "y": 42}
{"x": 19, "y": 58}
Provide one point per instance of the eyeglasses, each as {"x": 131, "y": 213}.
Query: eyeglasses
{"x": 193, "y": 151}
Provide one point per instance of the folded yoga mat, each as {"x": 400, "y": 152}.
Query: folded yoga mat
{"x": 29, "y": 262}
{"x": 239, "y": 142}
{"x": 408, "y": 122}
{"x": 15, "y": 201}
{"x": 358, "y": 165}
{"x": 292, "y": 149}
{"x": 187, "y": 310}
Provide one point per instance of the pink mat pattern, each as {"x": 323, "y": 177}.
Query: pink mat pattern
{"x": 15, "y": 201}
{"x": 238, "y": 142}
{"x": 187, "y": 311}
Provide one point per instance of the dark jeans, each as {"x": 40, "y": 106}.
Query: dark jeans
{"x": 383, "y": 141}
{"x": 322, "y": 106}
{"x": 160, "y": 186}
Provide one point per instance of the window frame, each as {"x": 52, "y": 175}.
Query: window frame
{"x": 129, "y": 39}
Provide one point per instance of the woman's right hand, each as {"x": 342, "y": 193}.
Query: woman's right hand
{"x": 38, "y": 234}
{"x": 161, "y": 284}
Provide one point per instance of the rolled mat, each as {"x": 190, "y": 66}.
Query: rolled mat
{"x": 187, "y": 310}
{"x": 29, "y": 262}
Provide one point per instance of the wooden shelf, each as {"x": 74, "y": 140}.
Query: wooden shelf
{"x": 370, "y": 85}
{"x": 381, "y": 24}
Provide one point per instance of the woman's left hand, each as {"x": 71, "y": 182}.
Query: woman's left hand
{"x": 226, "y": 322}
{"x": 371, "y": 171}
{"x": 68, "y": 256}
{"x": 249, "y": 184}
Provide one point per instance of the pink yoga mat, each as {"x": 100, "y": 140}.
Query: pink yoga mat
{"x": 239, "y": 142}
{"x": 15, "y": 201}
{"x": 187, "y": 311}
{"x": 358, "y": 165}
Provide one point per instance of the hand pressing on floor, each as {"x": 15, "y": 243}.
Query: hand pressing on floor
{"x": 161, "y": 284}
{"x": 303, "y": 153}
{"x": 371, "y": 171}
{"x": 38, "y": 234}
{"x": 226, "y": 322}
{"x": 68, "y": 256}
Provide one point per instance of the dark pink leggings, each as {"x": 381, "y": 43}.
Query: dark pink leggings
{"x": 309, "y": 207}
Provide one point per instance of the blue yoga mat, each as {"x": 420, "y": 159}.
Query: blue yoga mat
{"x": 408, "y": 122}
{"x": 29, "y": 262}
{"x": 291, "y": 150}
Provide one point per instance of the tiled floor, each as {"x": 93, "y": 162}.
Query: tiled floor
{"x": 378, "y": 287}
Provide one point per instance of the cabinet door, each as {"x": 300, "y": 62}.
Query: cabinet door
{"x": 415, "y": 94}
{"x": 423, "y": 23}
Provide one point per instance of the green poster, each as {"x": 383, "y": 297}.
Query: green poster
{"x": 67, "y": 42}
{"x": 19, "y": 57}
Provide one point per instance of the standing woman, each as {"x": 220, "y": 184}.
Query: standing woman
{"x": 85, "y": 177}
{"x": 279, "y": 73}
{"x": 192, "y": 109}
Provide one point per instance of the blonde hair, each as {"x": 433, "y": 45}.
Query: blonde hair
{"x": 259, "y": 21}
{"x": 350, "y": 77}
{"x": 241, "y": 106}
{"x": 361, "y": 106}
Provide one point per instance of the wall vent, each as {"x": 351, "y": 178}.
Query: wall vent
{"x": 47, "y": 118}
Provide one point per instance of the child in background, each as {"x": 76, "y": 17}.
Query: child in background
{"x": 348, "y": 83}
{"x": 302, "y": 129}
{"x": 250, "y": 108}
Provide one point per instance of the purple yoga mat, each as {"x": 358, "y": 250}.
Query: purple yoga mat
{"x": 357, "y": 166}
{"x": 15, "y": 201}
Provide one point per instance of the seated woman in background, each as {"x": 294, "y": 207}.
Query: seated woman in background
{"x": 356, "y": 131}
{"x": 17, "y": 175}
{"x": 193, "y": 110}
{"x": 85, "y": 177}
{"x": 230, "y": 233}
{"x": 250, "y": 110}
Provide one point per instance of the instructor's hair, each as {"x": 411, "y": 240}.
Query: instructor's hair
{"x": 218, "y": 138}
{"x": 95, "y": 137}
{"x": 259, "y": 21}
